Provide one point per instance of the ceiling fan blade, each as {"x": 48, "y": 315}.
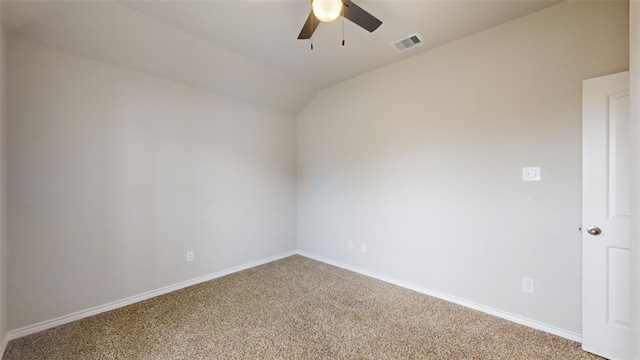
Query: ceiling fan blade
{"x": 360, "y": 17}
{"x": 309, "y": 27}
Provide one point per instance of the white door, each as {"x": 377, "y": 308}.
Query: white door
{"x": 606, "y": 261}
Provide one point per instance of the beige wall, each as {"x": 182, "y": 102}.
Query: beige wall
{"x": 421, "y": 161}
{"x": 114, "y": 175}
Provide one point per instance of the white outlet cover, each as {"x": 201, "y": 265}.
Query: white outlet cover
{"x": 528, "y": 285}
{"x": 531, "y": 173}
{"x": 350, "y": 244}
{"x": 363, "y": 248}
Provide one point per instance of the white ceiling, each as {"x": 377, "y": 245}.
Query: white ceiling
{"x": 248, "y": 49}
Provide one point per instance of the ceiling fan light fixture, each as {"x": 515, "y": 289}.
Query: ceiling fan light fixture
{"x": 326, "y": 10}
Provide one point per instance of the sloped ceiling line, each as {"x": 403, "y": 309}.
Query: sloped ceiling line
{"x": 248, "y": 50}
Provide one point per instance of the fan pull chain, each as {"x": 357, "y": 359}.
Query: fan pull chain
{"x": 311, "y": 23}
{"x": 343, "y": 26}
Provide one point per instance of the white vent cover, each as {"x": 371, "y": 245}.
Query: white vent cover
{"x": 410, "y": 42}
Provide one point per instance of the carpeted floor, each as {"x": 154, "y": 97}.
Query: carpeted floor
{"x": 295, "y": 308}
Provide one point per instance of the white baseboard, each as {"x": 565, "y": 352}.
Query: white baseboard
{"x": 469, "y": 304}
{"x": 3, "y": 346}
{"x": 31, "y": 329}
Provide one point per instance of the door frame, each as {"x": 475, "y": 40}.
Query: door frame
{"x": 634, "y": 77}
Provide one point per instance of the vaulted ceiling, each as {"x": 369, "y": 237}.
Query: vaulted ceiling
{"x": 249, "y": 50}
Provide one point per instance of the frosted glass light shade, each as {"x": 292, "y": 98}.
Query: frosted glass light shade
{"x": 326, "y": 10}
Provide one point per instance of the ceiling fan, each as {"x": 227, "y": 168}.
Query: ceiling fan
{"x": 329, "y": 10}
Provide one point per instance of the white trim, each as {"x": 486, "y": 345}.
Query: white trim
{"x": 3, "y": 346}
{"x": 456, "y": 300}
{"x": 31, "y": 329}
{"x": 48, "y": 324}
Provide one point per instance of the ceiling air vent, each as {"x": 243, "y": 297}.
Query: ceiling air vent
{"x": 408, "y": 43}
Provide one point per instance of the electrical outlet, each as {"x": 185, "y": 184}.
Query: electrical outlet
{"x": 363, "y": 248}
{"x": 350, "y": 245}
{"x": 531, "y": 173}
{"x": 527, "y": 285}
{"x": 189, "y": 256}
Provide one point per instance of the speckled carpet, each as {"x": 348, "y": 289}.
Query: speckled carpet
{"x": 295, "y": 308}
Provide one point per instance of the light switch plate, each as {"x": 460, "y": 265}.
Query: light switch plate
{"x": 531, "y": 174}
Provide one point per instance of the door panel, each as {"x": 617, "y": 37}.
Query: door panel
{"x": 618, "y": 289}
{"x": 619, "y": 152}
{"x": 606, "y": 282}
